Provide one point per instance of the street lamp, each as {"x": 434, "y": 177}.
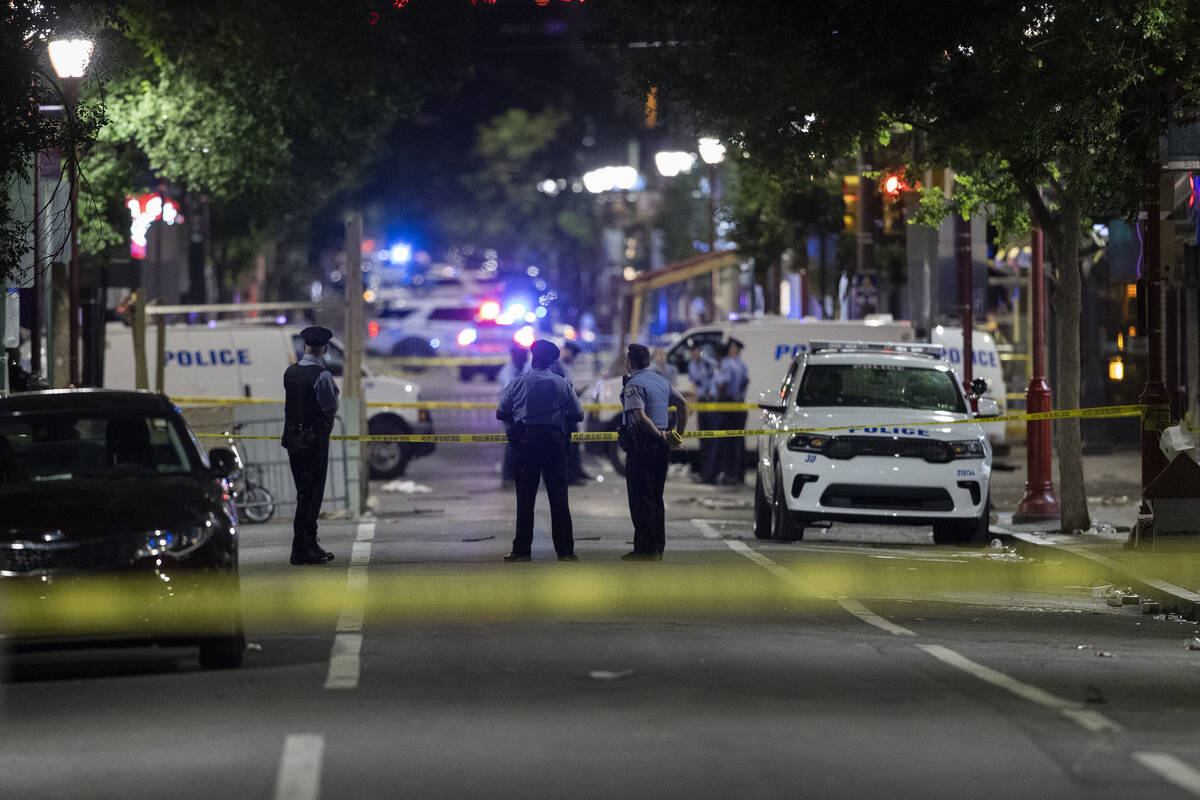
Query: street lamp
{"x": 670, "y": 162}
{"x": 70, "y": 58}
{"x": 712, "y": 152}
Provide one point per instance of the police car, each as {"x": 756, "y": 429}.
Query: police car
{"x": 906, "y": 449}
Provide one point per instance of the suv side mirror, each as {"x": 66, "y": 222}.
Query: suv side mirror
{"x": 224, "y": 462}
{"x": 769, "y": 401}
{"x": 987, "y": 407}
{"x": 979, "y": 387}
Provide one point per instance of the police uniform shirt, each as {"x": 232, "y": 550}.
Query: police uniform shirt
{"x": 539, "y": 397}
{"x": 701, "y": 374}
{"x": 651, "y": 392}
{"x": 326, "y": 389}
{"x": 509, "y": 372}
{"x": 733, "y": 377}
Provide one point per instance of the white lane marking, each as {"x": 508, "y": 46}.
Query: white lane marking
{"x": 344, "y": 664}
{"x": 871, "y": 618}
{"x": 853, "y": 606}
{"x": 706, "y": 529}
{"x": 344, "y": 660}
{"x": 299, "y": 776}
{"x": 1172, "y": 769}
{"x": 1092, "y": 720}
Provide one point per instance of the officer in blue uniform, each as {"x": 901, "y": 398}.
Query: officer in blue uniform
{"x": 310, "y": 405}
{"x": 537, "y": 406}
{"x": 729, "y": 386}
{"x": 701, "y": 370}
{"x": 647, "y": 441}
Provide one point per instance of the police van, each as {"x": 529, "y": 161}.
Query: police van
{"x": 770, "y": 344}
{"x": 985, "y": 363}
{"x": 248, "y": 360}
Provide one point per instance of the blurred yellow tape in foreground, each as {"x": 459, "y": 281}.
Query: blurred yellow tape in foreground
{"x": 312, "y": 598}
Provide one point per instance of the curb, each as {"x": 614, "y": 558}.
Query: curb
{"x": 1168, "y": 595}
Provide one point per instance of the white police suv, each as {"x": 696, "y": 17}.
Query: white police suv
{"x": 906, "y": 449}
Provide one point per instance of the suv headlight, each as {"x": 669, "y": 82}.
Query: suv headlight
{"x": 967, "y": 448}
{"x": 177, "y": 541}
{"x": 808, "y": 443}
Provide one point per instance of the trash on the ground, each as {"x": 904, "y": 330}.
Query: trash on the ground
{"x": 610, "y": 675}
{"x": 1083, "y": 647}
{"x": 479, "y": 538}
{"x": 1093, "y": 695}
{"x": 1104, "y": 654}
{"x": 1119, "y": 500}
{"x": 1102, "y": 591}
{"x": 407, "y": 511}
{"x": 599, "y": 479}
{"x": 1194, "y": 644}
{"x": 253, "y": 646}
{"x": 1102, "y": 529}
{"x": 996, "y": 544}
{"x": 406, "y": 487}
{"x": 1122, "y": 597}
{"x": 724, "y": 502}
{"x": 1150, "y": 607}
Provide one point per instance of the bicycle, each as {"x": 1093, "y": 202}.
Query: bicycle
{"x": 253, "y": 500}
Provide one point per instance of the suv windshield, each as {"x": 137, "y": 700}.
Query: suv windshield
{"x": 879, "y": 385}
{"x": 64, "y": 447}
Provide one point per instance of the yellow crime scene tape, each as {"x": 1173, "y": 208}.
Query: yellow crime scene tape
{"x": 289, "y": 599}
{"x": 1159, "y": 415}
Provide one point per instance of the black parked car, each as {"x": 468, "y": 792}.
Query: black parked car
{"x": 115, "y": 526}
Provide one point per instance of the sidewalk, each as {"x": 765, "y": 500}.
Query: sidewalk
{"x": 1168, "y": 574}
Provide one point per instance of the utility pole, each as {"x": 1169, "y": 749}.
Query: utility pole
{"x": 352, "y": 395}
{"x": 966, "y": 299}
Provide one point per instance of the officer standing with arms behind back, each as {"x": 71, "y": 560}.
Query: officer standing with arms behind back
{"x": 310, "y": 405}
{"x": 536, "y": 407}
{"x": 647, "y": 441}
{"x": 730, "y": 387}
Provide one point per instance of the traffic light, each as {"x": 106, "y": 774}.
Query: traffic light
{"x": 850, "y": 202}
{"x": 891, "y": 190}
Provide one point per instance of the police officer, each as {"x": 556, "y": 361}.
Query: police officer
{"x": 729, "y": 385}
{"x": 310, "y": 405}
{"x": 518, "y": 364}
{"x": 701, "y": 369}
{"x": 537, "y": 406}
{"x": 647, "y": 441}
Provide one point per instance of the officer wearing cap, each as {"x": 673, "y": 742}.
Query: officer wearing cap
{"x": 310, "y": 405}
{"x": 701, "y": 370}
{"x": 647, "y": 441}
{"x": 729, "y": 386}
{"x": 536, "y": 407}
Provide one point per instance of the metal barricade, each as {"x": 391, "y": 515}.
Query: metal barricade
{"x": 271, "y": 460}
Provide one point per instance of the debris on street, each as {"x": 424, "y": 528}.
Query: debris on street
{"x": 478, "y": 538}
{"x": 610, "y": 675}
{"x": 406, "y": 487}
{"x": 1194, "y": 644}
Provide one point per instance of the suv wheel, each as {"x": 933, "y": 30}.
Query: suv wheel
{"x": 762, "y": 510}
{"x": 783, "y": 526}
{"x": 387, "y": 460}
{"x": 965, "y": 533}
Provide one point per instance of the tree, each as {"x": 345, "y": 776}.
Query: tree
{"x": 1015, "y": 96}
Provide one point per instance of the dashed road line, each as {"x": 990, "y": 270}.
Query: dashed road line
{"x": 1091, "y": 720}
{"x": 706, "y": 528}
{"x": 344, "y": 660}
{"x": 1172, "y": 769}
{"x": 299, "y": 776}
{"x": 871, "y": 618}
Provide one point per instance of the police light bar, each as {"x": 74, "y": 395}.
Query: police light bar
{"x": 912, "y": 348}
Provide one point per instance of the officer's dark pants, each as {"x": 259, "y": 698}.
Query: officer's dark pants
{"x": 710, "y": 466}
{"x": 309, "y": 467}
{"x": 542, "y": 454}
{"x": 733, "y": 448}
{"x": 645, "y": 480}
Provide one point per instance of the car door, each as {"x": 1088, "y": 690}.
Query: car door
{"x": 775, "y": 420}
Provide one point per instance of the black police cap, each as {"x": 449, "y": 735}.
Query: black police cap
{"x": 544, "y": 351}
{"x": 316, "y": 336}
{"x": 737, "y": 342}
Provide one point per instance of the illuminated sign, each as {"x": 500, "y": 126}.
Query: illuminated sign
{"x": 144, "y": 210}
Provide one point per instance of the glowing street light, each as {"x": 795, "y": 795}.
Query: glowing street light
{"x": 711, "y": 150}
{"x": 671, "y": 163}
{"x": 70, "y": 58}
{"x": 606, "y": 179}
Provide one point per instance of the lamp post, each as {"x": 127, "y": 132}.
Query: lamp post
{"x": 712, "y": 152}
{"x": 70, "y": 58}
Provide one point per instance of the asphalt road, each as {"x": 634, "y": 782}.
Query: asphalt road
{"x": 862, "y": 662}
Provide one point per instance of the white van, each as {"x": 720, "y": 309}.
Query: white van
{"x": 985, "y": 364}
{"x": 769, "y": 342}
{"x": 246, "y": 360}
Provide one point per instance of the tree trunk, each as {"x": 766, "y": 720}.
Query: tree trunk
{"x": 1072, "y": 493}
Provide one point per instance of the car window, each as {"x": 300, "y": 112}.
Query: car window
{"x": 64, "y": 447}
{"x": 681, "y": 353}
{"x": 396, "y": 313}
{"x": 448, "y": 314}
{"x": 881, "y": 386}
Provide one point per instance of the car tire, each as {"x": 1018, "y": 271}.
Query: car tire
{"x": 762, "y": 510}
{"x": 258, "y": 505}
{"x": 965, "y": 532}
{"x": 783, "y": 525}
{"x": 223, "y": 652}
{"x": 388, "y": 460}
